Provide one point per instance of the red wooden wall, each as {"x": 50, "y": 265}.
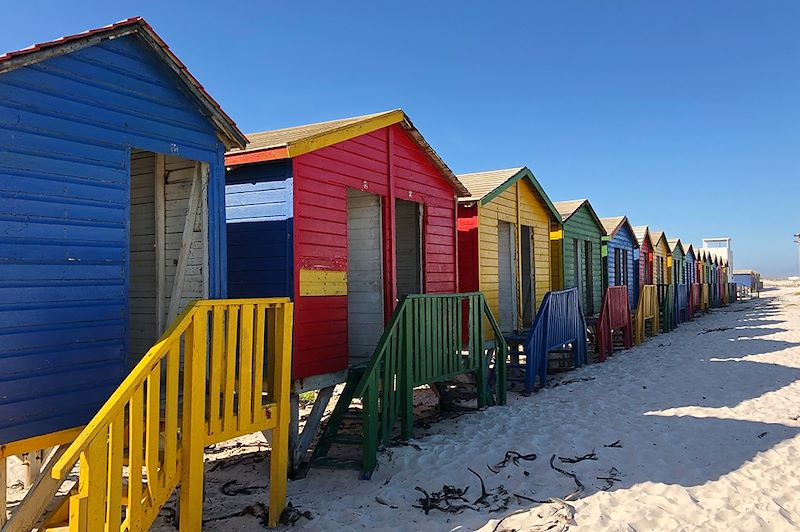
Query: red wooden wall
{"x": 645, "y": 263}
{"x": 468, "y": 248}
{"x": 321, "y": 179}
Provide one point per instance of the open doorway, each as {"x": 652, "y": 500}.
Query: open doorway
{"x": 408, "y": 240}
{"x": 364, "y": 275}
{"x": 528, "y": 275}
{"x": 507, "y": 276}
{"x": 168, "y": 244}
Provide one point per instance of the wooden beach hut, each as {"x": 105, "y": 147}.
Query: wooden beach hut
{"x": 504, "y": 243}
{"x": 689, "y": 261}
{"x": 644, "y": 260}
{"x": 690, "y": 274}
{"x": 678, "y": 277}
{"x": 662, "y": 259}
{"x": 678, "y": 261}
{"x": 112, "y": 225}
{"x": 345, "y": 217}
{"x": 579, "y": 246}
{"x": 112, "y": 167}
{"x": 349, "y": 218}
{"x": 619, "y": 246}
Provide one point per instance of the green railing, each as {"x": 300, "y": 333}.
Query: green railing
{"x": 430, "y": 338}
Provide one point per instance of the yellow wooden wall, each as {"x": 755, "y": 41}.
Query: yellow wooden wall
{"x": 661, "y": 250}
{"x": 518, "y": 205}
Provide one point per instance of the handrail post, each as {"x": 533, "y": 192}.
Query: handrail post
{"x": 370, "y": 426}
{"x": 193, "y": 430}
{"x": 407, "y": 378}
{"x": 279, "y": 454}
{"x": 476, "y": 310}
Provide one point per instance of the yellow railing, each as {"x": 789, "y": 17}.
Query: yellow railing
{"x": 221, "y": 370}
{"x": 646, "y": 309}
{"x": 704, "y": 296}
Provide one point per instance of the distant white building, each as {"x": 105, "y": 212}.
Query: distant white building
{"x": 721, "y": 248}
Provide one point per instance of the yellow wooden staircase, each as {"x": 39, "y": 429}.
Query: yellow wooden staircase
{"x": 222, "y": 370}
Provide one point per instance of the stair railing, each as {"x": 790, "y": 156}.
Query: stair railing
{"x": 430, "y": 338}
{"x": 646, "y": 309}
{"x": 615, "y": 314}
{"x": 221, "y": 370}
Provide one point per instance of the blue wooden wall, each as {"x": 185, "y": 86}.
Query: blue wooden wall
{"x": 259, "y": 210}
{"x": 67, "y": 126}
{"x": 623, "y": 239}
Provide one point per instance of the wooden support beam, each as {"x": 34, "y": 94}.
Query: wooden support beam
{"x": 3, "y": 491}
{"x": 32, "y": 509}
{"x": 159, "y": 183}
{"x": 186, "y": 244}
{"x": 302, "y": 440}
{"x": 204, "y": 219}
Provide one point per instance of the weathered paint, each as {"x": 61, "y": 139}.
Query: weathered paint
{"x": 580, "y": 228}
{"x": 69, "y": 124}
{"x": 386, "y": 162}
{"x": 518, "y": 205}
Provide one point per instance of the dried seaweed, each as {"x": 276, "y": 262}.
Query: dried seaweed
{"x": 616, "y": 445}
{"x": 589, "y": 456}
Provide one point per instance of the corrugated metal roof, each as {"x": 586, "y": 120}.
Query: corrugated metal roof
{"x": 39, "y": 52}
{"x": 615, "y": 223}
{"x": 481, "y": 184}
{"x": 642, "y": 231}
{"x": 283, "y": 137}
{"x": 611, "y": 224}
{"x": 293, "y": 141}
{"x": 568, "y": 208}
{"x": 657, "y": 236}
{"x": 673, "y": 242}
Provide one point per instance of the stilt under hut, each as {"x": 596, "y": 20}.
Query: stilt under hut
{"x": 662, "y": 273}
{"x": 690, "y": 274}
{"x": 355, "y": 220}
{"x": 113, "y": 225}
{"x": 580, "y": 245}
{"x": 619, "y": 279}
{"x": 678, "y": 274}
{"x": 504, "y": 243}
{"x": 646, "y": 316}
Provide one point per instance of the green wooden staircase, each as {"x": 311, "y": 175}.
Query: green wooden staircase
{"x": 430, "y": 339}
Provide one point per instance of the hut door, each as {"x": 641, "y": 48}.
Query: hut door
{"x": 528, "y": 276}
{"x": 578, "y": 270}
{"x": 364, "y": 275}
{"x": 507, "y": 278}
{"x": 408, "y": 240}
{"x": 168, "y": 246}
{"x": 587, "y": 263}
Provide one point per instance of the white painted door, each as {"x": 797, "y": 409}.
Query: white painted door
{"x": 364, "y": 275}
{"x": 507, "y": 278}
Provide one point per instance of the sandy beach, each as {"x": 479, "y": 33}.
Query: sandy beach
{"x": 695, "y": 429}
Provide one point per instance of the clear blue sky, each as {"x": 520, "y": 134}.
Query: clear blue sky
{"x": 681, "y": 115}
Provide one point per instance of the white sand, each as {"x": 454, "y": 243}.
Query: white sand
{"x": 705, "y": 423}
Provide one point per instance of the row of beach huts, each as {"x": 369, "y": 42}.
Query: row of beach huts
{"x": 168, "y": 283}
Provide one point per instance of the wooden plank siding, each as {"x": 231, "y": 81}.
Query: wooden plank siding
{"x": 533, "y": 213}
{"x": 583, "y": 227}
{"x": 660, "y": 262}
{"x": 622, "y": 240}
{"x": 321, "y": 179}
{"x": 69, "y": 126}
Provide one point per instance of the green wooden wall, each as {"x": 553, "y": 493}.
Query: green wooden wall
{"x": 582, "y": 226}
